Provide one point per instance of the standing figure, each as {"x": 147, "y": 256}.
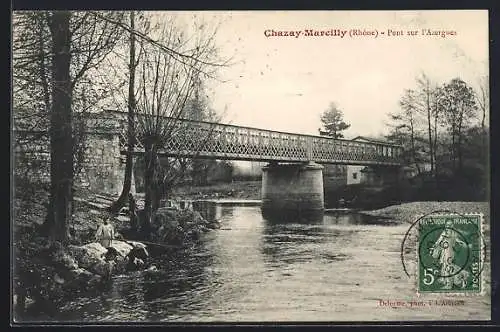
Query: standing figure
{"x": 444, "y": 251}
{"x": 105, "y": 234}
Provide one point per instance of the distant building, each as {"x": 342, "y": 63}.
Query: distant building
{"x": 335, "y": 175}
{"x": 366, "y": 174}
{"x": 355, "y": 174}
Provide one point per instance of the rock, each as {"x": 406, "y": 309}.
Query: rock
{"x": 104, "y": 262}
{"x": 123, "y": 248}
{"x": 80, "y": 273}
{"x": 88, "y": 255}
{"x": 91, "y": 258}
{"x": 94, "y": 249}
{"x": 137, "y": 245}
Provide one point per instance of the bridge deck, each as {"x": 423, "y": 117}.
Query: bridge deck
{"x": 222, "y": 141}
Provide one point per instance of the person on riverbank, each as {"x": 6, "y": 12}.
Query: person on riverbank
{"x": 105, "y": 234}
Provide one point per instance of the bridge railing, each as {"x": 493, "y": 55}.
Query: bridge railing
{"x": 222, "y": 141}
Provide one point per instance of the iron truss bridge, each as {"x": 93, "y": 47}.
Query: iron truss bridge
{"x": 196, "y": 139}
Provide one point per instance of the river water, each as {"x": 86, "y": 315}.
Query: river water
{"x": 338, "y": 268}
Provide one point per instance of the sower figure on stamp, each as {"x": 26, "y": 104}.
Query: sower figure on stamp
{"x": 105, "y": 233}
{"x": 444, "y": 250}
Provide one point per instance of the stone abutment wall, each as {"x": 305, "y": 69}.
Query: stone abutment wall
{"x": 101, "y": 165}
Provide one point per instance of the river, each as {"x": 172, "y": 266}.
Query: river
{"x": 338, "y": 268}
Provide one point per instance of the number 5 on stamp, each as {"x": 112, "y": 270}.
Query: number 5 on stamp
{"x": 449, "y": 254}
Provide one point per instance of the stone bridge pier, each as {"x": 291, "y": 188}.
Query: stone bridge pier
{"x": 292, "y": 191}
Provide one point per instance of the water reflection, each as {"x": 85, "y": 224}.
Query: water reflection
{"x": 181, "y": 282}
{"x": 207, "y": 209}
{"x": 252, "y": 266}
{"x": 285, "y": 216}
{"x": 291, "y": 244}
{"x": 353, "y": 218}
{"x": 239, "y": 263}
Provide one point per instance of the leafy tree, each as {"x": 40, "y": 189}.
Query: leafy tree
{"x": 459, "y": 106}
{"x": 406, "y": 130}
{"x": 436, "y": 124}
{"x": 333, "y": 121}
{"x": 198, "y": 109}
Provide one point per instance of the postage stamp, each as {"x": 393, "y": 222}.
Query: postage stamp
{"x": 450, "y": 250}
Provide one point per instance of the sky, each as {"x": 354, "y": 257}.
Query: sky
{"x": 284, "y": 83}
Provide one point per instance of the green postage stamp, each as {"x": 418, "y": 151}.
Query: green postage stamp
{"x": 450, "y": 254}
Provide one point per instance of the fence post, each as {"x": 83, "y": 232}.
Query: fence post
{"x": 309, "y": 148}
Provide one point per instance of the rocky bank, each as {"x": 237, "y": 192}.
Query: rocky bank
{"x": 48, "y": 273}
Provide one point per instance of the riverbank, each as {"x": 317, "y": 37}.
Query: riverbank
{"x": 236, "y": 190}
{"x": 409, "y": 212}
{"x": 256, "y": 270}
{"x": 48, "y": 273}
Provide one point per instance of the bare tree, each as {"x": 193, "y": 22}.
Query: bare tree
{"x": 164, "y": 86}
{"x": 127, "y": 183}
{"x": 483, "y": 102}
{"x": 438, "y": 97}
{"x": 408, "y": 120}
{"x": 195, "y": 53}
{"x": 425, "y": 102}
{"x": 61, "y": 133}
{"x": 60, "y": 48}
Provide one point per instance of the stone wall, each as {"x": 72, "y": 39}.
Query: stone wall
{"x": 31, "y": 157}
{"x": 103, "y": 166}
{"x": 102, "y": 169}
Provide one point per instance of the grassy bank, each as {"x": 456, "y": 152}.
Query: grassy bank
{"x": 409, "y": 212}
